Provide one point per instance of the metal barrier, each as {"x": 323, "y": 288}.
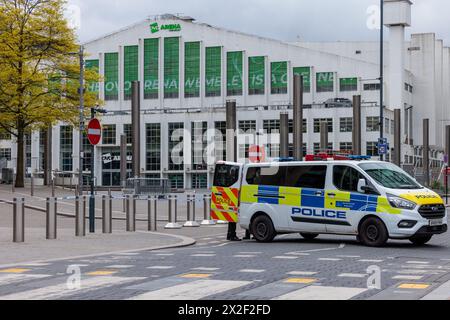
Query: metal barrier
{"x": 147, "y": 209}
{"x": 191, "y": 212}
{"x": 173, "y": 214}
{"x": 19, "y": 220}
{"x": 51, "y": 219}
{"x": 139, "y": 186}
{"x": 207, "y": 211}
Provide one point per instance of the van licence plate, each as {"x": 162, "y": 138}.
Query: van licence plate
{"x": 436, "y": 222}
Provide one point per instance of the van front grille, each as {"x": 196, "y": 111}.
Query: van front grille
{"x": 432, "y": 211}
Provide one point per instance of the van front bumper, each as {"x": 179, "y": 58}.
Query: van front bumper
{"x": 427, "y": 230}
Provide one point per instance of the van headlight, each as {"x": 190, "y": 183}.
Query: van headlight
{"x": 400, "y": 203}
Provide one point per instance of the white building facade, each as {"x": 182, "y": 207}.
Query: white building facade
{"x": 188, "y": 70}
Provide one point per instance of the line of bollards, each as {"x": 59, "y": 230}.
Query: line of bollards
{"x": 51, "y": 211}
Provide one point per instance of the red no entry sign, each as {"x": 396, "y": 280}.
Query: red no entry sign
{"x": 256, "y": 154}
{"x": 94, "y": 132}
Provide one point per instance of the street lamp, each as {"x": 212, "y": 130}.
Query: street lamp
{"x": 381, "y": 73}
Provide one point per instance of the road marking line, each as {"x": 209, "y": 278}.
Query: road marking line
{"x": 370, "y": 260}
{"x": 417, "y": 262}
{"x": 164, "y": 254}
{"x": 330, "y": 259}
{"x": 15, "y": 270}
{"x": 127, "y": 254}
{"x": 61, "y": 290}
{"x": 102, "y": 273}
{"x": 407, "y": 277}
{"x": 36, "y": 264}
{"x": 161, "y": 267}
{"x": 250, "y": 253}
{"x": 7, "y": 279}
{"x": 203, "y": 255}
{"x": 205, "y": 269}
{"x": 192, "y": 291}
{"x": 322, "y": 293}
{"x": 352, "y": 275}
{"x": 350, "y": 257}
{"x": 196, "y": 275}
{"x": 298, "y": 253}
{"x": 285, "y": 257}
{"x": 244, "y": 256}
{"x": 418, "y": 286}
{"x": 302, "y": 273}
{"x": 252, "y": 271}
{"x": 300, "y": 280}
{"x": 120, "y": 267}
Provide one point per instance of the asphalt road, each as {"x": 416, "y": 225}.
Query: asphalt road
{"x": 330, "y": 267}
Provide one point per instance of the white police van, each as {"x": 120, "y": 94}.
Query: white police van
{"x": 372, "y": 200}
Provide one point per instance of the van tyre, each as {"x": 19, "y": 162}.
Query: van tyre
{"x": 373, "y": 233}
{"x": 309, "y": 236}
{"x": 420, "y": 240}
{"x": 263, "y": 229}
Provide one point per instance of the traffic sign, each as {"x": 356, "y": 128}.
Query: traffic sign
{"x": 94, "y": 132}
{"x": 383, "y": 149}
{"x": 256, "y": 154}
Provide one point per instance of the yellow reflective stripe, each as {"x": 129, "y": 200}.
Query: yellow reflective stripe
{"x": 231, "y": 196}
{"x": 340, "y": 196}
{"x": 292, "y": 196}
{"x": 217, "y": 215}
{"x": 384, "y": 206}
{"x": 248, "y": 194}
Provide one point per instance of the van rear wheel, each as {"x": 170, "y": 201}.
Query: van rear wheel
{"x": 373, "y": 233}
{"x": 263, "y": 229}
{"x": 309, "y": 236}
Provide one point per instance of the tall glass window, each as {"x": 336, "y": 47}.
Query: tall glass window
{"x": 192, "y": 69}
{"x": 151, "y": 68}
{"x": 199, "y": 145}
{"x": 234, "y": 73}
{"x": 279, "y": 77}
{"x": 348, "y": 84}
{"x": 111, "y": 76}
{"x": 109, "y": 134}
{"x": 247, "y": 126}
{"x": 220, "y": 140}
{"x": 325, "y": 82}
{"x": 176, "y": 181}
{"x": 171, "y": 67}
{"x": 176, "y": 160}
{"x": 128, "y": 132}
{"x": 93, "y": 65}
{"x": 130, "y": 69}
{"x": 213, "y": 71}
{"x": 256, "y": 75}
{"x": 153, "y": 146}
{"x": 65, "y": 148}
{"x": 372, "y": 149}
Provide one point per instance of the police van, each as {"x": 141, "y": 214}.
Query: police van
{"x": 372, "y": 200}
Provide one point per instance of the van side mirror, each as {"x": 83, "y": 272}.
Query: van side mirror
{"x": 364, "y": 188}
{"x": 362, "y": 185}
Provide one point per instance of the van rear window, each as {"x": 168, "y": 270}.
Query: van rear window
{"x": 226, "y": 175}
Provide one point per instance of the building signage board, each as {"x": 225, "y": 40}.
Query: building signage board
{"x": 306, "y": 73}
{"x": 172, "y": 27}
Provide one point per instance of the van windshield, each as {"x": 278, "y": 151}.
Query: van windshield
{"x": 390, "y": 176}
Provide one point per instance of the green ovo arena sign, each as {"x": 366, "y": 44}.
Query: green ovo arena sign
{"x": 172, "y": 27}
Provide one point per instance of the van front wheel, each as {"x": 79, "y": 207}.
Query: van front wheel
{"x": 263, "y": 229}
{"x": 420, "y": 240}
{"x": 373, "y": 233}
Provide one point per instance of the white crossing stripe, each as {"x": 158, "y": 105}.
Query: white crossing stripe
{"x": 346, "y": 256}
{"x": 37, "y": 264}
{"x": 417, "y": 262}
{"x": 120, "y": 267}
{"x": 252, "y": 271}
{"x": 250, "y": 252}
{"x": 192, "y": 291}
{"x": 352, "y": 275}
{"x": 7, "y": 279}
{"x": 201, "y": 255}
{"x": 322, "y": 293}
{"x": 244, "y": 256}
{"x": 407, "y": 277}
{"x": 298, "y": 253}
{"x": 164, "y": 254}
{"x": 161, "y": 267}
{"x": 329, "y": 259}
{"x": 205, "y": 269}
{"x": 285, "y": 257}
{"x": 370, "y": 260}
{"x": 61, "y": 290}
{"x": 302, "y": 273}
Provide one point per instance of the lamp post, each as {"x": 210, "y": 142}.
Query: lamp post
{"x": 82, "y": 125}
{"x": 381, "y": 73}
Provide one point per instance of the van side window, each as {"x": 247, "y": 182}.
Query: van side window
{"x": 346, "y": 178}
{"x": 226, "y": 175}
{"x": 312, "y": 177}
{"x": 270, "y": 177}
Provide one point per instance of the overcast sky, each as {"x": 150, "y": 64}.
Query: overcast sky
{"x": 308, "y": 20}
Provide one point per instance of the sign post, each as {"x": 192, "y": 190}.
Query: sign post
{"x": 94, "y": 134}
